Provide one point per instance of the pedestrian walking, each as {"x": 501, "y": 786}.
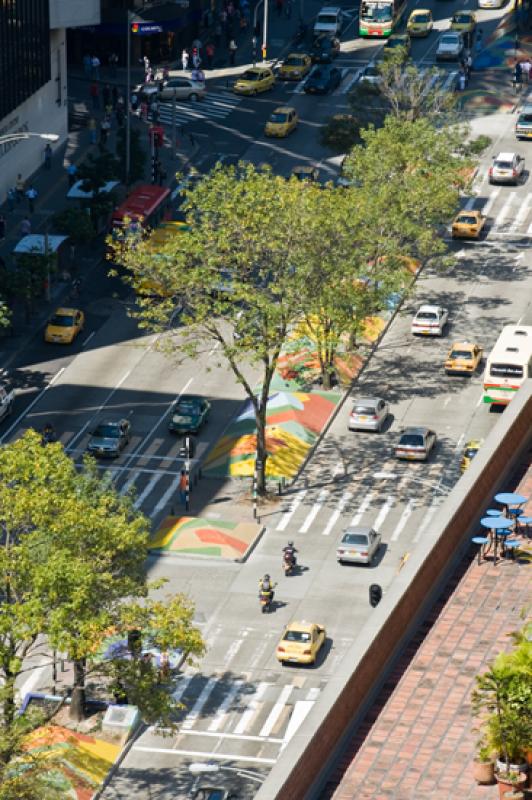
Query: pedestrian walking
{"x": 113, "y": 64}
{"x": 108, "y": 110}
{"x": 526, "y": 66}
{"x": 134, "y": 102}
{"x": 105, "y": 127}
{"x": 209, "y": 52}
{"x": 72, "y": 172}
{"x": 20, "y": 187}
{"x": 94, "y": 91}
{"x": 106, "y": 94}
{"x": 92, "y": 130}
{"x": 11, "y": 197}
{"x": 87, "y": 65}
{"x": 196, "y": 60}
{"x": 183, "y": 487}
{"x": 184, "y": 59}
{"x": 95, "y": 68}
{"x": 2, "y": 227}
{"x": 518, "y": 73}
{"x": 233, "y": 47}
{"x": 47, "y": 156}
{"x": 31, "y": 196}
{"x": 144, "y": 110}
{"x": 25, "y": 227}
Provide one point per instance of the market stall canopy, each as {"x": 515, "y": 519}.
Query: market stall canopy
{"x": 35, "y": 243}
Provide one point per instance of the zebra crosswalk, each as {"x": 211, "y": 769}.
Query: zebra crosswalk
{"x": 443, "y": 80}
{"x": 508, "y": 211}
{"x": 215, "y": 105}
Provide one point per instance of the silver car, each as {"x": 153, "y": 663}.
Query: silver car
{"x": 182, "y": 89}
{"x": 358, "y": 546}
{"x": 368, "y": 414}
{"x": 507, "y": 168}
{"x": 415, "y": 444}
{"x": 450, "y": 46}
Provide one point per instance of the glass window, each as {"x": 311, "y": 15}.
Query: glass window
{"x": 411, "y": 440}
{"x": 355, "y": 538}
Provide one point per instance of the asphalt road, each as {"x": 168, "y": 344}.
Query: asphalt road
{"x": 241, "y": 707}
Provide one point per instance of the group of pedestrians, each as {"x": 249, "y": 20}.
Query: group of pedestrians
{"x": 522, "y": 71}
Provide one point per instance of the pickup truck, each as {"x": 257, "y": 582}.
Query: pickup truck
{"x": 7, "y": 398}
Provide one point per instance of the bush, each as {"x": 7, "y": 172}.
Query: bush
{"x": 341, "y": 133}
{"x": 477, "y": 146}
{"x": 75, "y": 223}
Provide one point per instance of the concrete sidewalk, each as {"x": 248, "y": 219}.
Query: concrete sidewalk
{"x": 417, "y": 742}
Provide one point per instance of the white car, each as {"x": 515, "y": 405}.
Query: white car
{"x": 370, "y": 74}
{"x": 507, "y": 168}
{"x": 450, "y": 46}
{"x": 358, "y": 545}
{"x": 329, "y": 21}
{"x": 430, "y": 321}
{"x": 368, "y": 414}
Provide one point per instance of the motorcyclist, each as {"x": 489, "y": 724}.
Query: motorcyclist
{"x": 48, "y": 433}
{"x": 289, "y": 553}
{"x": 266, "y": 586}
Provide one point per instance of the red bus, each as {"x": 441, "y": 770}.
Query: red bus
{"x": 146, "y": 204}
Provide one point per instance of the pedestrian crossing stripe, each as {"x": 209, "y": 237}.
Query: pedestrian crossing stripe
{"x": 214, "y": 105}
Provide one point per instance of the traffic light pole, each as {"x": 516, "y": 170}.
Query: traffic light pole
{"x": 128, "y": 99}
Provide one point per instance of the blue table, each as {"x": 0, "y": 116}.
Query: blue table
{"x": 498, "y": 527}
{"x": 510, "y": 499}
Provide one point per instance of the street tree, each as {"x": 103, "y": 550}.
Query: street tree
{"x": 237, "y": 274}
{"x": 404, "y": 91}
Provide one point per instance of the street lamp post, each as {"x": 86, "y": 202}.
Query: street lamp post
{"x": 264, "y": 26}
{"x": 128, "y": 98}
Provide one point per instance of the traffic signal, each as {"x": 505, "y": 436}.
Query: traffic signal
{"x": 375, "y": 594}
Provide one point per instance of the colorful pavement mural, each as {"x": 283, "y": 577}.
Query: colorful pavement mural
{"x": 294, "y": 421}
{"x": 82, "y": 761}
{"x": 204, "y": 537}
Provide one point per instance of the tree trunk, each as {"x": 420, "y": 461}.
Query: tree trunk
{"x": 261, "y": 454}
{"x": 77, "y": 704}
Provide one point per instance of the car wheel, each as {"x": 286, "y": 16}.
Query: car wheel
{"x": 194, "y": 97}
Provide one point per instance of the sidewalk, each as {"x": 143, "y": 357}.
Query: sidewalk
{"x": 417, "y": 741}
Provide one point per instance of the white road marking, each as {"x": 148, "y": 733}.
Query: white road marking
{"x": 33, "y": 402}
{"x": 252, "y": 708}
{"x": 276, "y": 711}
{"x": 223, "y": 735}
{"x": 289, "y": 513}
{"x": 297, "y": 717}
{"x": 383, "y": 513}
{"x": 148, "y": 489}
{"x": 504, "y": 212}
{"x": 181, "y": 689}
{"x": 379, "y": 476}
{"x": 459, "y": 443}
{"x": 223, "y": 710}
{"x": 490, "y": 201}
{"x": 403, "y": 519}
{"x": 204, "y": 695}
{"x": 529, "y": 230}
{"x": 129, "y": 483}
{"x": 233, "y": 650}
{"x": 362, "y": 509}
{"x": 314, "y": 511}
{"x": 521, "y": 214}
{"x": 172, "y": 489}
{"x": 201, "y": 754}
{"x": 470, "y": 204}
{"x": 480, "y": 399}
{"x": 89, "y": 337}
{"x": 346, "y": 496}
{"x": 427, "y": 520}
{"x": 313, "y": 693}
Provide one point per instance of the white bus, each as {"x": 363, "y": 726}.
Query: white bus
{"x": 508, "y": 364}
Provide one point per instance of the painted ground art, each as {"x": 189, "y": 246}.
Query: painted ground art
{"x": 294, "y": 421}
{"x": 204, "y": 537}
{"x": 82, "y": 760}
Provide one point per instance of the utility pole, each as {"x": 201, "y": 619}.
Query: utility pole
{"x": 265, "y": 31}
{"x": 174, "y": 127}
{"x": 128, "y": 100}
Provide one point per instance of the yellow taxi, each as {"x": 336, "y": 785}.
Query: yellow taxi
{"x": 300, "y": 643}
{"x": 64, "y": 325}
{"x": 420, "y": 22}
{"x": 468, "y": 225}
{"x": 295, "y": 66}
{"x": 463, "y": 21}
{"x": 254, "y": 81}
{"x": 470, "y": 450}
{"x": 463, "y": 358}
{"x": 282, "y": 122}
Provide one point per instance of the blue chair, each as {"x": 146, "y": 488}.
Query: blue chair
{"x": 493, "y": 512}
{"x": 510, "y": 547}
{"x": 523, "y": 524}
{"x": 483, "y": 543}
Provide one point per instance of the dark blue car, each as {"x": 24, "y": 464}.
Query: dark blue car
{"x": 323, "y": 80}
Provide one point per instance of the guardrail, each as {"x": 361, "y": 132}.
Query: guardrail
{"x": 303, "y": 767}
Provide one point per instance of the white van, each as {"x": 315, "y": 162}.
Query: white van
{"x": 329, "y": 21}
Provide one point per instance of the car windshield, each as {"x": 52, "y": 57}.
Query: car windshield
{"x": 471, "y": 452}
{"x": 294, "y": 61}
{"x": 187, "y": 407}
{"x": 503, "y": 164}
{"x": 426, "y": 315}
{"x": 421, "y": 18}
{"x": 355, "y": 538}
{"x": 377, "y": 12}
{"x": 249, "y": 75}
{"x": 363, "y": 410}
{"x": 462, "y": 19}
{"x": 279, "y": 118}
{"x": 467, "y": 220}
{"x": 326, "y": 19}
{"x": 451, "y": 40}
{"x": 506, "y": 370}
{"x": 297, "y": 636}
{"x": 107, "y": 430}
{"x": 62, "y": 321}
{"x": 461, "y": 354}
{"x": 411, "y": 440}
{"x": 525, "y": 119}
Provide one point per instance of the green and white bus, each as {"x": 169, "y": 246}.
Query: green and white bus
{"x": 378, "y": 18}
{"x": 509, "y": 364}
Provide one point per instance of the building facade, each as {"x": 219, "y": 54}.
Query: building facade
{"x": 33, "y": 79}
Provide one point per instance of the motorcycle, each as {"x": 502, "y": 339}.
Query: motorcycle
{"x": 47, "y": 436}
{"x": 266, "y": 600}
{"x": 289, "y": 561}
